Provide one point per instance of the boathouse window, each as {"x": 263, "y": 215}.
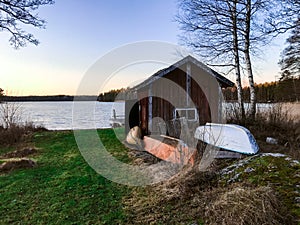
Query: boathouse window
{"x": 189, "y": 113}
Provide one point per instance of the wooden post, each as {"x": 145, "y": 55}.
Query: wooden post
{"x": 114, "y": 114}
{"x": 188, "y": 83}
{"x": 150, "y": 109}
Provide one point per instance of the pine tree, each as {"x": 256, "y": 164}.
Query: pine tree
{"x": 290, "y": 59}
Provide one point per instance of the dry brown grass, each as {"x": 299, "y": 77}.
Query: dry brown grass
{"x": 181, "y": 199}
{"x": 277, "y": 122}
{"x": 197, "y": 199}
{"x": 17, "y": 133}
{"x": 194, "y": 197}
{"x": 17, "y": 159}
{"x": 243, "y": 205}
{"x": 10, "y": 136}
{"x": 19, "y": 153}
{"x": 16, "y": 163}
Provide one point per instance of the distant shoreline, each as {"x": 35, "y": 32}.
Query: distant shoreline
{"x": 49, "y": 98}
{"x": 65, "y": 98}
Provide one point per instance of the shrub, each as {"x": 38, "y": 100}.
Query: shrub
{"x": 13, "y": 129}
{"x": 275, "y": 121}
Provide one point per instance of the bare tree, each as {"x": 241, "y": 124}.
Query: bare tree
{"x": 252, "y": 34}
{"x": 284, "y": 18}
{"x": 211, "y": 29}
{"x": 232, "y": 5}
{"x": 16, "y": 12}
{"x": 223, "y": 29}
{"x": 10, "y": 114}
{"x": 260, "y": 22}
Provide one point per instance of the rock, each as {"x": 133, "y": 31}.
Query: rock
{"x": 234, "y": 178}
{"x": 271, "y": 140}
{"x": 297, "y": 200}
{"x": 294, "y": 163}
{"x": 249, "y": 170}
{"x": 272, "y": 154}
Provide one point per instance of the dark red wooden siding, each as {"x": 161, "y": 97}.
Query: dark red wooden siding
{"x": 162, "y": 108}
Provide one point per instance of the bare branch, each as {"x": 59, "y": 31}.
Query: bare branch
{"x": 16, "y": 12}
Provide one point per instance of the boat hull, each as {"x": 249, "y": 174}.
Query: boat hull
{"x": 228, "y": 136}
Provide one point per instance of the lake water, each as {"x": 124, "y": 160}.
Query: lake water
{"x": 86, "y": 115}
{"x": 70, "y": 115}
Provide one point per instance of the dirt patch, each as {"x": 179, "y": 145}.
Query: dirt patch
{"x": 15, "y": 160}
{"x": 13, "y": 164}
{"x": 19, "y": 153}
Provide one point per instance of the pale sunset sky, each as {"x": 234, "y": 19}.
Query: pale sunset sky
{"x": 79, "y": 32}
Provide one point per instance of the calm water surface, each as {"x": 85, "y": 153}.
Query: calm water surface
{"x": 70, "y": 115}
{"x": 82, "y": 115}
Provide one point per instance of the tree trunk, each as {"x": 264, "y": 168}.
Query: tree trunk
{"x": 252, "y": 108}
{"x": 237, "y": 63}
{"x": 239, "y": 87}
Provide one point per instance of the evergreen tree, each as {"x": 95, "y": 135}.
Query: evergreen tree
{"x": 290, "y": 61}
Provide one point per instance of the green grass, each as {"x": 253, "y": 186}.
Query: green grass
{"x": 62, "y": 189}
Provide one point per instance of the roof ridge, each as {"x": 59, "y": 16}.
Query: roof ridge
{"x": 162, "y": 72}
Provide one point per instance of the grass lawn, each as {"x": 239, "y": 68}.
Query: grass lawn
{"x": 62, "y": 189}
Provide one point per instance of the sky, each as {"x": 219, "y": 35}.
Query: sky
{"x": 80, "y": 32}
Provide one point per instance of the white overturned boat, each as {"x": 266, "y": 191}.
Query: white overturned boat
{"x": 227, "y": 136}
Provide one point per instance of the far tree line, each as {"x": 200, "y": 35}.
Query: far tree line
{"x": 113, "y": 95}
{"x": 284, "y": 90}
{"x": 287, "y": 89}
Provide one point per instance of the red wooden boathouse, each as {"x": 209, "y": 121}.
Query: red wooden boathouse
{"x": 187, "y": 89}
{"x": 186, "y": 93}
